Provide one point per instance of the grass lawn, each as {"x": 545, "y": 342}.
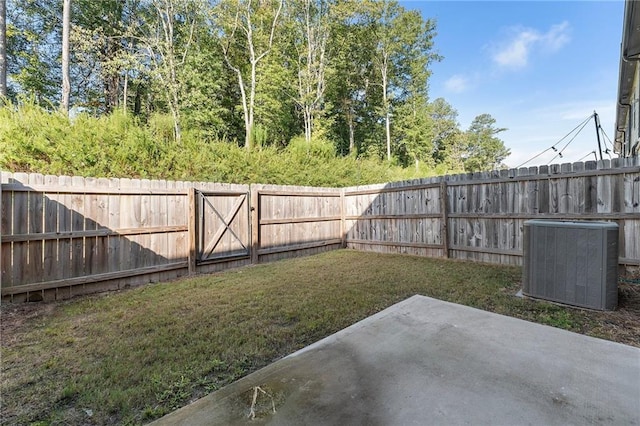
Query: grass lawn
{"x": 129, "y": 357}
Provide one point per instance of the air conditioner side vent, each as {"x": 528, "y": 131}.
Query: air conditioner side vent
{"x": 575, "y": 263}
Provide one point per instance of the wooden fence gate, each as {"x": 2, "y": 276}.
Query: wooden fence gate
{"x": 223, "y": 226}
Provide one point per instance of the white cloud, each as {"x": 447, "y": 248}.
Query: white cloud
{"x": 514, "y": 53}
{"x": 556, "y": 37}
{"x": 457, "y": 83}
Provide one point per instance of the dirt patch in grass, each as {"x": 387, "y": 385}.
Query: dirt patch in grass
{"x": 17, "y": 316}
{"x": 129, "y": 357}
{"x": 623, "y": 324}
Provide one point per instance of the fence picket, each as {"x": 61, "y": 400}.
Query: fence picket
{"x": 68, "y": 231}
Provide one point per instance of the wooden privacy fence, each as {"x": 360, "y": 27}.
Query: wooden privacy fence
{"x": 222, "y": 225}
{"x": 292, "y": 221}
{"x": 62, "y": 236}
{"x": 481, "y": 216}
{"x": 262, "y": 223}
{"x": 405, "y": 217}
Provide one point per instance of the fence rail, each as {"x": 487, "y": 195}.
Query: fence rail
{"x": 290, "y": 221}
{"x": 481, "y": 216}
{"x": 61, "y": 236}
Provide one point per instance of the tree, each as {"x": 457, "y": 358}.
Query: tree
{"x": 447, "y": 138}
{"x": 247, "y": 33}
{"x": 106, "y": 52}
{"x": 311, "y": 27}
{"x": 351, "y": 99}
{"x": 254, "y": 72}
{"x": 66, "y": 28}
{"x": 168, "y": 38}
{"x": 207, "y": 89}
{"x": 415, "y": 132}
{"x": 34, "y": 49}
{"x": 3, "y": 48}
{"x": 277, "y": 118}
{"x": 404, "y": 43}
{"x": 100, "y": 37}
{"x": 386, "y": 31}
{"x": 414, "y": 128}
{"x": 484, "y": 151}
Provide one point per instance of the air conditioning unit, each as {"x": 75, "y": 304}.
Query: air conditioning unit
{"x": 575, "y": 263}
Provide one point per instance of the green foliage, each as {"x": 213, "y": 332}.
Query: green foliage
{"x": 416, "y": 128}
{"x": 203, "y": 99}
{"x": 275, "y": 113}
{"x": 229, "y": 71}
{"x": 484, "y": 150}
{"x": 300, "y": 148}
{"x": 33, "y": 139}
{"x": 33, "y": 48}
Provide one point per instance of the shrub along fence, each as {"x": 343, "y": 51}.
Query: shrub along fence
{"x": 61, "y": 236}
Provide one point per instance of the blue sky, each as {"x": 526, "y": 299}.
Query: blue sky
{"x": 539, "y": 68}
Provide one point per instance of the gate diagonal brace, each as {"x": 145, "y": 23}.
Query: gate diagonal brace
{"x": 226, "y": 221}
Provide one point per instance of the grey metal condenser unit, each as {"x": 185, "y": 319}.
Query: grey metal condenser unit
{"x": 572, "y": 262}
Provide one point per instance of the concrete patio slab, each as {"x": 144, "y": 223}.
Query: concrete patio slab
{"x": 428, "y": 362}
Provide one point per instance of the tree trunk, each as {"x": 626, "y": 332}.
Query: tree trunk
{"x": 384, "y": 69}
{"x": 252, "y": 100}
{"x": 346, "y": 105}
{"x": 176, "y": 119}
{"x": 311, "y": 62}
{"x": 248, "y": 105}
{"x": 125, "y": 92}
{"x": 245, "y": 111}
{"x": 114, "y": 89}
{"x": 66, "y": 27}
{"x": 308, "y": 123}
{"x": 309, "y": 74}
{"x": 137, "y": 101}
{"x": 387, "y": 115}
{"x": 110, "y": 80}
{"x": 387, "y": 123}
{"x": 3, "y": 48}
{"x": 352, "y": 139}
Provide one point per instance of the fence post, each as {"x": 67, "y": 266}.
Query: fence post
{"x": 343, "y": 234}
{"x": 444, "y": 233}
{"x": 1, "y": 213}
{"x": 191, "y": 225}
{"x": 254, "y": 207}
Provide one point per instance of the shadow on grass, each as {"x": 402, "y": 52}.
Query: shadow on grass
{"x": 131, "y": 356}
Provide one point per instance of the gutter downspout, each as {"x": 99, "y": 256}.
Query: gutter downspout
{"x": 630, "y": 14}
{"x": 628, "y": 59}
{"x": 623, "y": 130}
